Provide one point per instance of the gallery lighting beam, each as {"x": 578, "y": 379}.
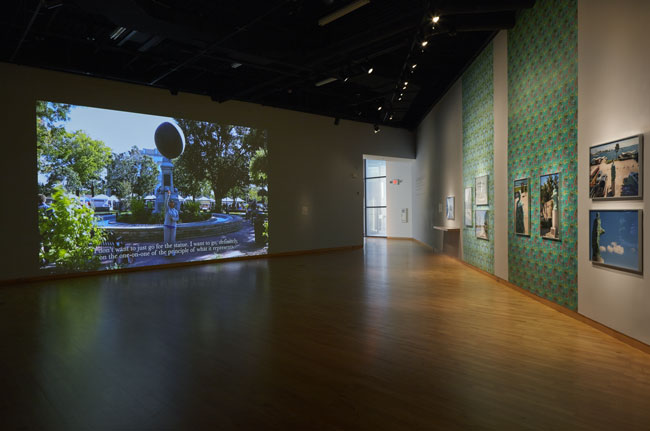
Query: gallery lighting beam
{"x": 342, "y": 12}
{"x": 325, "y": 81}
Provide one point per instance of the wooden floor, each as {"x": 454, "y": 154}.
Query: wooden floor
{"x": 385, "y": 338}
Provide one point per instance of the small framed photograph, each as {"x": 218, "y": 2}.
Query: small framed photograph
{"x": 482, "y": 224}
{"x": 616, "y": 169}
{"x": 481, "y": 190}
{"x": 468, "y": 207}
{"x": 451, "y": 211}
{"x": 521, "y": 191}
{"x": 616, "y": 239}
{"x": 549, "y": 208}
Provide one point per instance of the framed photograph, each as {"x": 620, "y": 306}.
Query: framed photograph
{"x": 482, "y": 190}
{"x": 468, "y": 207}
{"x": 549, "y": 209}
{"x": 616, "y": 169}
{"x": 616, "y": 239}
{"x": 482, "y": 224}
{"x": 521, "y": 192}
{"x": 450, "y": 207}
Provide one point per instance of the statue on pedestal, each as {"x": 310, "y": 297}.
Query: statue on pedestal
{"x": 170, "y": 142}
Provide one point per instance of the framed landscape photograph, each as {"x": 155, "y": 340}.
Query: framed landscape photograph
{"x": 522, "y": 206}
{"x": 482, "y": 190}
{"x": 616, "y": 169}
{"x": 468, "y": 207}
{"x": 450, "y": 207}
{"x": 549, "y": 210}
{"x": 616, "y": 239}
{"x": 482, "y": 224}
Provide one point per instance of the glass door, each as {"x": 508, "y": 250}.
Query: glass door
{"x": 375, "y": 197}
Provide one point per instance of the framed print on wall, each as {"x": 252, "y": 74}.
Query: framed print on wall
{"x": 481, "y": 190}
{"x": 451, "y": 211}
{"x": 468, "y": 207}
{"x": 616, "y": 239}
{"x": 482, "y": 224}
{"x": 549, "y": 210}
{"x": 616, "y": 169}
{"x": 521, "y": 191}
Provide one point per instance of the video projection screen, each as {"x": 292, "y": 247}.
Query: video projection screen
{"x": 120, "y": 189}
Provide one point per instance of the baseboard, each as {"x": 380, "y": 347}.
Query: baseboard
{"x": 630, "y": 341}
{"x": 53, "y": 277}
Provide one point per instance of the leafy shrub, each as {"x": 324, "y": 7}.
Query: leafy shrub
{"x": 191, "y": 211}
{"x": 68, "y": 234}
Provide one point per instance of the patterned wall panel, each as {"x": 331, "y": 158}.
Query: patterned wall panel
{"x": 542, "y": 139}
{"x": 478, "y": 152}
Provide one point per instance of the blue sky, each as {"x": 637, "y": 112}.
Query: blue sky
{"x": 118, "y": 129}
{"x": 619, "y": 243}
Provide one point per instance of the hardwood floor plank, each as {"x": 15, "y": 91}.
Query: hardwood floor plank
{"x": 388, "y": 337}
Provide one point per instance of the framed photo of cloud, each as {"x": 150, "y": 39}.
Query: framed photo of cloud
{"x": 468, "y": 207}
{"x": 482, "y": 224}
{"x": 549, "y": 210}
{"x": 521, "y": 192}
{"x": 616, "y": 169}
{"x": 451, "y": 210}
{"x": 482, "y": 190}
{"x": 616, "y": 239}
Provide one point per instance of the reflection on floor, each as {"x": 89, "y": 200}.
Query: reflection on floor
{"x": 384, "y": 338}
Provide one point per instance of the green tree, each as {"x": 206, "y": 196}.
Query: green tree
{"x": 48, "y": 129}
{"x": 73, "y": 159}
{"x": 132, "y": 172}
{"x": 259, "y": 167}
{"x": 68, "y": 233}
{"x": 218, "y": 154}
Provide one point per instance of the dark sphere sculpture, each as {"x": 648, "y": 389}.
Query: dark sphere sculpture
{"x": 169, "y": 140}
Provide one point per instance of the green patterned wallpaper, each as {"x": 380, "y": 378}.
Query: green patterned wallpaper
{"x": 478, "y": 153}
{"x": 542, "y": 139}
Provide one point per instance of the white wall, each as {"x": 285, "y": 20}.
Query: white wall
{"x": 399, "y": 197}
{"x": 313, "y": 163}
{"x": 501, "y": 186}
{"x": 438, "y": 171}
{"x": 613, "y": 103}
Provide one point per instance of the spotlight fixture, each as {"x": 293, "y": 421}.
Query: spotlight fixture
{"x": 370, "y": 70}
{"x": 377, "y": 128}
{"x": 346, "y": 78}
{"x": 342, "y": 12}
{"x": 399, "y": 98}
{"x": 414, "y": 65}
{"x": 379, "y": 108}
{"x": 424, "y": 43}
{"x": 390, "y": 117}
{"x": 435, "y": 19}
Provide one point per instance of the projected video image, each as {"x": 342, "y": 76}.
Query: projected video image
{"x": 120, "y": 189}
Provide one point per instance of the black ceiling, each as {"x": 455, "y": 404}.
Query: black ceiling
{"x": 196, "y": 46}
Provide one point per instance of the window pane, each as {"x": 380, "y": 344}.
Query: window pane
{"x": 376, "y": 221}
{"x": 376, "y": 192}
{"x": 375, "y": 168}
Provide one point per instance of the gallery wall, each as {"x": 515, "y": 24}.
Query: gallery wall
{"x": 438, "y": 170}
{"x": 399, "y": 198}
{"x": 542, "y": 139}
{"x": 478, "y": 156}
{"x": 316, "y": 175}
{"x": 613, "y": 103}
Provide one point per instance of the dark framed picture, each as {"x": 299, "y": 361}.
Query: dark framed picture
{"x": 616, "y": 239}
{"x": 616, "y": 169}
{"x": 549, "y": 209}
{"x": 468, "y": 207}
{"x": 451, "y": 211}
{"x": 481, "y": 190}
{"x": 482, "y": 224}
{"x": 521, "y": 191}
